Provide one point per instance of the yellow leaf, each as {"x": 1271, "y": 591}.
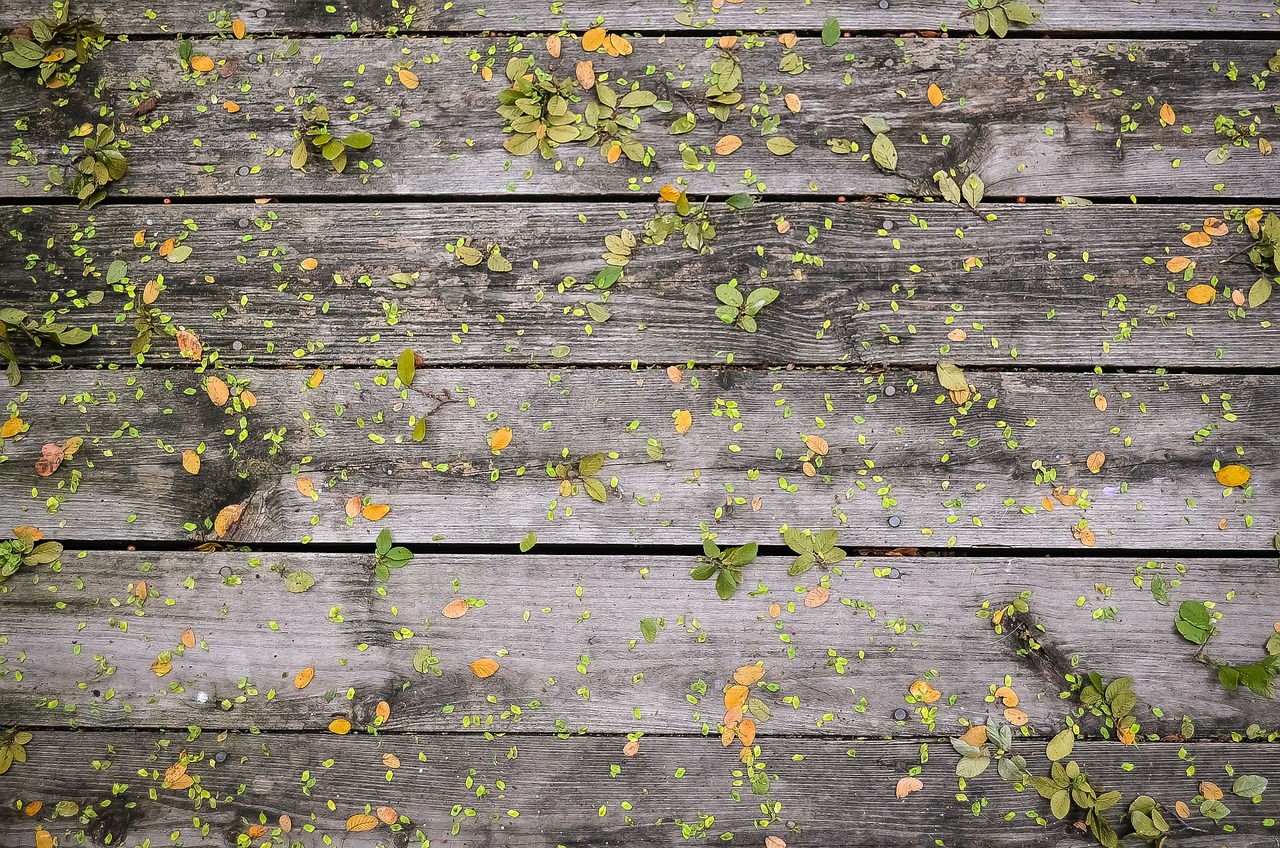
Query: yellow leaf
{"x": 935, "y": 95}
{"x": 499, "y": 439}
{"x": 1201, "y": 294}
{"x": 749, "y": 674}
{"x": 163, "y": 665}
{"x": 11, "y": 428}
{"x": 191, "y": 461}
{"x": 237, "y": 28}
{"x": 203, "y": 64}
{"x": 375, "y": 512}
{"x": 227, "y": 516}
{"x": 303, "y": 679}
{"x": 1197, "y": 239}
{"x": 361, "y": 822}
{"x": 140, "y": 238}
{"x": 684, "y": 420}
{"x": 1167, "y": 115}
{"x": 317, "y": 377}
{"x": 218, "y": 391}
{"x": 483, "y": 668}
{"x": 407, "y": 78}
{"x": 340, "y": 726}
{"x": 593, "y": 39}
{"x": 1233, "y": 475}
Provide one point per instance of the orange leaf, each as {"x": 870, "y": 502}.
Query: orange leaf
{"x": 1233, "y": 475}
{"x": 1182, "y": 809}
{"x": 1095, "y": 461}
{"x": 286, "y": 823}
{"x": 203, "y": 64}
{"x": 749, "y": 674}
{"x": 793, "y": 102}
{"x": 736, "y": 696}
{"x": 483, "y": 668}
{"x": 162, "y": 666}
{"x": 674, "y": 374}
{"x": 907, "y": 785}
{"x": 361, "y": 822}
{"x": 788, "y": 40}
{"x": 684, "y": 420}
{"x": 817, "y": 444}
{"x": 1211, "y": 791}
{"x": 1007, "y": 696}
{"x": 669, "y": 193}
{"x": 975, "y": 736}
{"x": 499, "y": 439}
{"x": 191, "y": 461}
{"x": 586, "y": 73}
{"x": 631, "y": 748}
{"x": 306, "y": 487}
{"x": 29, "y": 534}
{"x": 166, "y": 247}
{"x": 309, "y": 264}
{"x": 618, "y": 46}
{"x": 317, "y": 377}
{"x": 11, "y": 428}
{"x": 382, "y": 713}
{"x": 1201, "y": 294}
{"x": 816, "y": 597}
{"x": 1177, "y": 264}
{"x": 188, "y": 638}
{"x": 44, "y": 839}
{"x": 1215, "y": 226}
{"x": 375, "y": 512}
{"x": 553, "y": 46}
{"x": 1100, "y": 402}
{"x": 391, "y": 761}
{"x": 593, "y": 39}
{"x": 1167, "y": 115}
{"x": 1016, "y": 717}
{"x": 935, "y": 95}
{"x": 747, "y": 732}
{"x": 614, "y": 153}
{"x": 218, "y": 391}
{"x": 727, "y": 145}
{"x": 407, "y": 78}
{"x": 237, "y": 28}
{"x": 1197, "y": 239}
{"x": 353, "y": 506}
{"x": 140, "y": 238}
{"x": 388, "y": 815}
{"x": 248, "y": 398}
{"x": 231, "y": 106}
{"x": 340, "y": 726}
{"x": 456, "y": 608}
{"x": 303, "y": 678}
{"x": 227, "y": 516}
{"x": 256, "y": 831}
{"x": 189, "y": 345}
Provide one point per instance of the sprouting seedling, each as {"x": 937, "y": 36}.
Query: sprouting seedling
{"x": 724, "y": 565}
{"x": 812, "y": 549}
{"x": 741, "y": 311}
{"x": 56, "y": 46}
{"x": 584, "y": 473}
{"x": 16, "y": 321}
{"x": 325, "y": 143}
{"x": 1195, "y": 623}
{"x": 387, "y": 557}
{"x": 1068, "y": 788}
{"x": 26, "y": 549}
{"x": 101, "y": 164}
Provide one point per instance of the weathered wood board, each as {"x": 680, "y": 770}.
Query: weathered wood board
{"x": 1037, "y": 118}
{"x": 466, "y": 790}
{"x": 876, "y": 283}
{"x": 362, "y": 17}
{"x": 566, "y": 632}
{"x": 905, "y": 465}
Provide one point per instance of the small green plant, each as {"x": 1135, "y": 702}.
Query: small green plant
{"x": 1195, "y": 624}
{"x": 811, "y": 549}
{"x": 387, "y": 557}
{"x": 976, "y": 755}
{"x": 724, "y": 565}
{"x": 317, "y": 135}
{"x": 609, "y": 122}
{"x": 16, "y": 321}
{"x": 1147, "y": 821}
{"x": 58, "y": 46}
{"x": 535, "y": 110}
{"x": 722, "y": 93}
{"x": 472, "y": 256}
{"x": 583, "y": 474}
{"x": 1265, "y": 230}
{"x": 101, "y": 164}
{"x": 739, "y": 311}
{"x": 13, "y": 749}
{"x": 26, "y": 549}
{"x": 1068, "y": 788}
{"x": 995, "y": 16}
{"x": 1115, "y": 701}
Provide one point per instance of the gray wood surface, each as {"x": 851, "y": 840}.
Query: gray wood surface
{"x": 1031, "y": 117}
{"x": 539, "y": 791}
{"x": 909, "y": 459}
{"x": 1056, "y": 286}
{"x": 545, "y": 613}
{"x": 363, "y": 16}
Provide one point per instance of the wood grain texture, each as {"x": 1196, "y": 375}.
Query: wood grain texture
{"x": 906, "y": 468}
{"x": 363, "y": 17}
{"x": 1040, "y": 118}
{"x": 566, "y": 631}
{"x": 535, "y": 791}
{"x": 873, "y": 283}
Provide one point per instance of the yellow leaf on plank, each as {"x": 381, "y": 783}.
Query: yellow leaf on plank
{"x": 684, "y": 420}
{"x": 361, "y": 822}
{"x": 1233, "y": 475}
{"x": 483, "y": 668}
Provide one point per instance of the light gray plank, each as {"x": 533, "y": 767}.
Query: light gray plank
{"x": 942, "y": 475}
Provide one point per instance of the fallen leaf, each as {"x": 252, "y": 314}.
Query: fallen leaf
{"x": 1215, "y": 226}
{"x": 163, "y": 665}
{"x": 286, "y": 823}
{"x": 684, "y": 420}
{"x": 1182, "y": 809}
{"x": 340, "y": 726}
{"x": 816, "y": 597}
{"x": 775, "y": 841}
{"x": 669, "y": 193}
{"x": 388, "y": 815}
{"x": 237, "y": 28}
{"x": 231, "y": 106}
{"x": 1016, "y": 717}
{"x": 303, "y": 679}
{"x": 935, "y": 95}
{"x": 32, "y": 809}
{"x": 586, "y": 73}
{"x": 631, "y": 748}
{"x": 51, "y": 457}
{"x": 553, "y": 46}
{"x": 817, "y": 444}
{"x": 306, "y": 487}
{"x": 227, "y": 516}
{"x": 1211, "y": 791}
{"x": 736, "y": 696}
{"x": 593, "y": 39}
{"x": 1177, "y": 264}
{"x": 975, "y": 736}
{"x": 1095, "y": 461}
{"x": 257, "y": 831}
{"x": 747, "y": 732}
{"x": 375, "y": 512}
{"x": 407, "y": 78}
{"x": 13, "y": 427}
{"x": 1201, "y": 294}
{"x": 456, "y": 608}
{"x": 483, "y": 668}
{"x": 189, "y": 346}
{"x": 1197, "y": 239}
{"x": 727, "y": 145}
{"x": 616, "y": 45}
{"x": 316, "y": 378}
{"x": 218, "y": 391}
{"x": 907, "y": 785}
{"x": 391, "y": 761}
{"x": 203, "y": 64}
{"x": 1084, "y": 536}
{"x": 793, "y": 102}
{"x": 188, "y": 638}
{"x": 309, "y": 264}
{"x": 382, "y": 712}
{"x": 361, "y": 822}
{"x": 749, "y": 674}
{"x": 44, "y": 839}
{"x": 1167, "y": 115}
{"x": 353, "y": 506}
{"x": 499, "y": 439}
{"x": 674, "y": 374}
{"x": 1007, "y": 696}
{"x": 1100, "y": 402}
{"x": 1233, "y": 475}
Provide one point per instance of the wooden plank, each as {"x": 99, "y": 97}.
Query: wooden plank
{"x": 882, "y": 283}
{"x": 906, "y": 468}
{"x": 362, "y": 17}
{"x": 1038, "y": 118}
{"x": 535, "y": 791}
{"x": 848, "y": 663}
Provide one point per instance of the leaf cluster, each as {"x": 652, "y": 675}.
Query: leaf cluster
{"x": 812, "y": 549}
{"x": 1195, "y": 623}
{"x": 320, "y": 138}
{"x": 692, "y": 221}
{"x": 1147, "y": 821}
{"x": 1265, "y": 230}
{"x": 13, "y": 748}
{"x": 971, "y": 191}
{"x": 724, "y": 565}
{"x": 995, "y": 16}
{"x": 609, "y": 120}
{"x": 1068, "y": 788}
{"x": 56, "y": 46}
{"x": 883, "y": 150}
{"x": 18, "y": 321}
{"x": 101, "y": 164}
{"x": 583, "y": 474}
{"x": 24, "y": 550}
{"x": 739, "y": 311}
{"x": 1115, "y": 700}
{"x": 472, "y": 256}
{"x": 722, "y": 93}
{"x": 536, "y": 110}
{"x": 387, "y": 557}
{"x": 976, "y": 759}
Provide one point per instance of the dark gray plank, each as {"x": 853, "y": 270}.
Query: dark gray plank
{"x": 543, "y": 792}
{"x": 1038, "y": 118}
{"x": 546, "y": 613}
{"x": 1054, "y": 287}
{"x": 363, "y": 17}
{"x": 903, "y": 469}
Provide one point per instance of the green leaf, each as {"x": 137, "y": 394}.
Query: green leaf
{"x": 981, "y": 23}
{"x": 526, "y": 544}
{"x": 649, "y": 629}
{"x": 830, "y": 31}
{"x": 950, "y": 191}
{"x": 802, "y": 563}
{"x": 298, "y": 160}
{"x": 1019, "y": 13}
{"x": 358, "y": 140}
{"x": 973, "y": 190}
{"x": 1259, "y": 292}
{"x": 425, "y": 662}
{"x": 299, "y": 581}
{"x": 1194, "y": 623}
{"x": 726, "y": 583}
{"x": 607, "y": 276}
{"x": 780, "y": 146}
{"x": 876, "y": 124}
{"x": 1060, "y": 746}
{"x": 951, "y": 377}
{"x": 1215, "y": 810}
{"x": 591, "y": 464}
{"x": 885, "y": 154}
{"x": 406, "y": 367}
{"x": 999, "y": 22}
{"x": 498, "y": 263}
{"x": 740, "y": 201}
{"x": 383, "y": 544}
{"x": 1060, "y": 804}
{"x": 705, "y": 571}
{"x": 179, "y": 254}
{"x": 598, "y": 313}
{"x": 729, "y": 295}
{"x": 595, "y": 489}
{"x": 971, "y": 767}
{"x": 742, "y": 555}
{"x": 638, "y": 99}
{"x": 759, "y": 299}
{"x": 683, "y": 124}
{"x": 1249, "y": 785}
